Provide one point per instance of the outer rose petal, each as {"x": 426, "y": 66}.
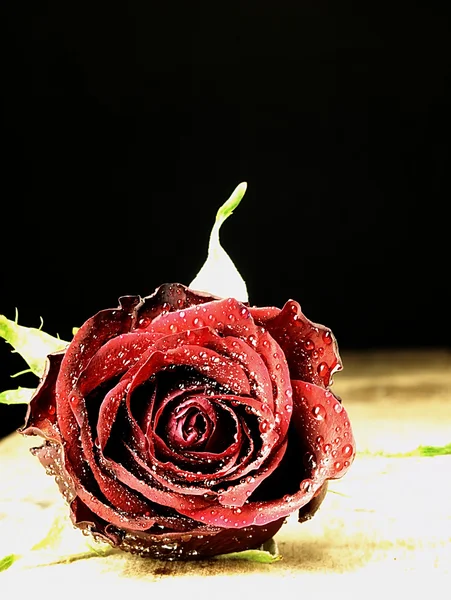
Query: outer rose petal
{"x": 310, "y": 349}
{"x": 167, "y": 298}
{"x": 41, "y": 414}
{"x": 323, "y": 422}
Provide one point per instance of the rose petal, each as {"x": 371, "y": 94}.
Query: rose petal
{"x": 168, "y": 297}
{"x": 97, "y": 330}
{"x": 41, "y": 414}
{"x": 117, "y": 356}
{"x": 310, "y": 349}
{"x": 227, "y": 316}
{"x": 323, "y": 422}
{"x": 51, "y": 456}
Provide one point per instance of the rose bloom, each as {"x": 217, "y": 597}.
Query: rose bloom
{"x": 183, "y": 425}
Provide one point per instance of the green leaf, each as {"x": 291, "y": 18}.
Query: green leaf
{"x": 8, "y": 561}
{"x": 19, "y": 396}
{"x": 267, "y": 553}
{"x": 32, "y": 344}
{"x": 219, "y": 276}
{"x": 75, "y": 330}
{"x": 434, "y": 450}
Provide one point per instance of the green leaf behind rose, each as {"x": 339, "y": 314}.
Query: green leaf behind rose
{"x": 19, "y": 396}
{"x": 267, "y": 553}
{"x": 32, "y": 344}
{"x": 219, "y": 276}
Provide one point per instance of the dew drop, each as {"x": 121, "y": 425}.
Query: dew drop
{"x": 347, "y": 450}
{"x": 51, "y": 410}
{"x": 310, "y": 460}
{"x": 338, "y": 466}
{"x": 306, "y": 486}
{"x": 263, "y": 426}
{"x": 288, "y": 408}
{"x": 338, "y": 408}
{"x": 309, "y": 345}
{"x": 323, "y": 370}
{"x": 327, "y": 448}
{"x": 252, "y": 340}
{"x": 319, "y": 412}
{"x": 288, "y": 393}
{"x": 327, "y": 338}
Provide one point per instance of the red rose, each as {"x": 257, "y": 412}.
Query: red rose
{"x": 184, "y": 425}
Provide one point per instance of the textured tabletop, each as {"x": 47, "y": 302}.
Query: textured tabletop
{"x": 386, "y": 525}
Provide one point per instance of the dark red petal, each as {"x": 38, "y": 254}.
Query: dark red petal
{"x": 227, "y": 316}
{"x": 51, "y": 456}
{"x": 310, "y": 349}
{"x": 167, "y": 298}
{"x": 97, "y": 330}
{"x": 204, "y": 360}
{"x": 108, "y": 411}
{"x": 274, "y": 358}
{"x": 115, "y": 493}
{"x": 198, "y": 543}
{"x": 41, "y": 415}
{"x": 323, "y": 422}
{"x": 238, "y": 492}
{"x": 184, "y": 477}
{"x": 256, "y": 368}
{"x": 182, "y": 539}
{"x": 117, "y": 356}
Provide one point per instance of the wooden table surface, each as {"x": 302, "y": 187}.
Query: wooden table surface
{"x": 385, "y": 526}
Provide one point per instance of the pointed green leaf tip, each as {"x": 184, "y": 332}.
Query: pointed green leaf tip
{"x": 32, "y": 344}
{"x": 219, "y": 276}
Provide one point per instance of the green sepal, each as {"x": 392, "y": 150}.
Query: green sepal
{"x": 32, "y": 344}
{"x": 19, "y": 396}
{"x": 267, "y": 553}
{"x": 8, "y": 561}
{"x": 219, "y": 276}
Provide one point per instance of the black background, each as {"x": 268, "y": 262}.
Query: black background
{"x": 125, "y": 126}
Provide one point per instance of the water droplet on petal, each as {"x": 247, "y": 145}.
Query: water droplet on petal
{"x": 323, "y": 370}
{"x": 306, "y": 486}
{"x": 327, "y": 338}
{"x": 338, "y": 408}
{"x": 347, "y": 450}
{"x": 263, "y": 426}
{"x": 319, "y": 412}
{"x": 309, "y": 345}
{"x": 310, "y": 460}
